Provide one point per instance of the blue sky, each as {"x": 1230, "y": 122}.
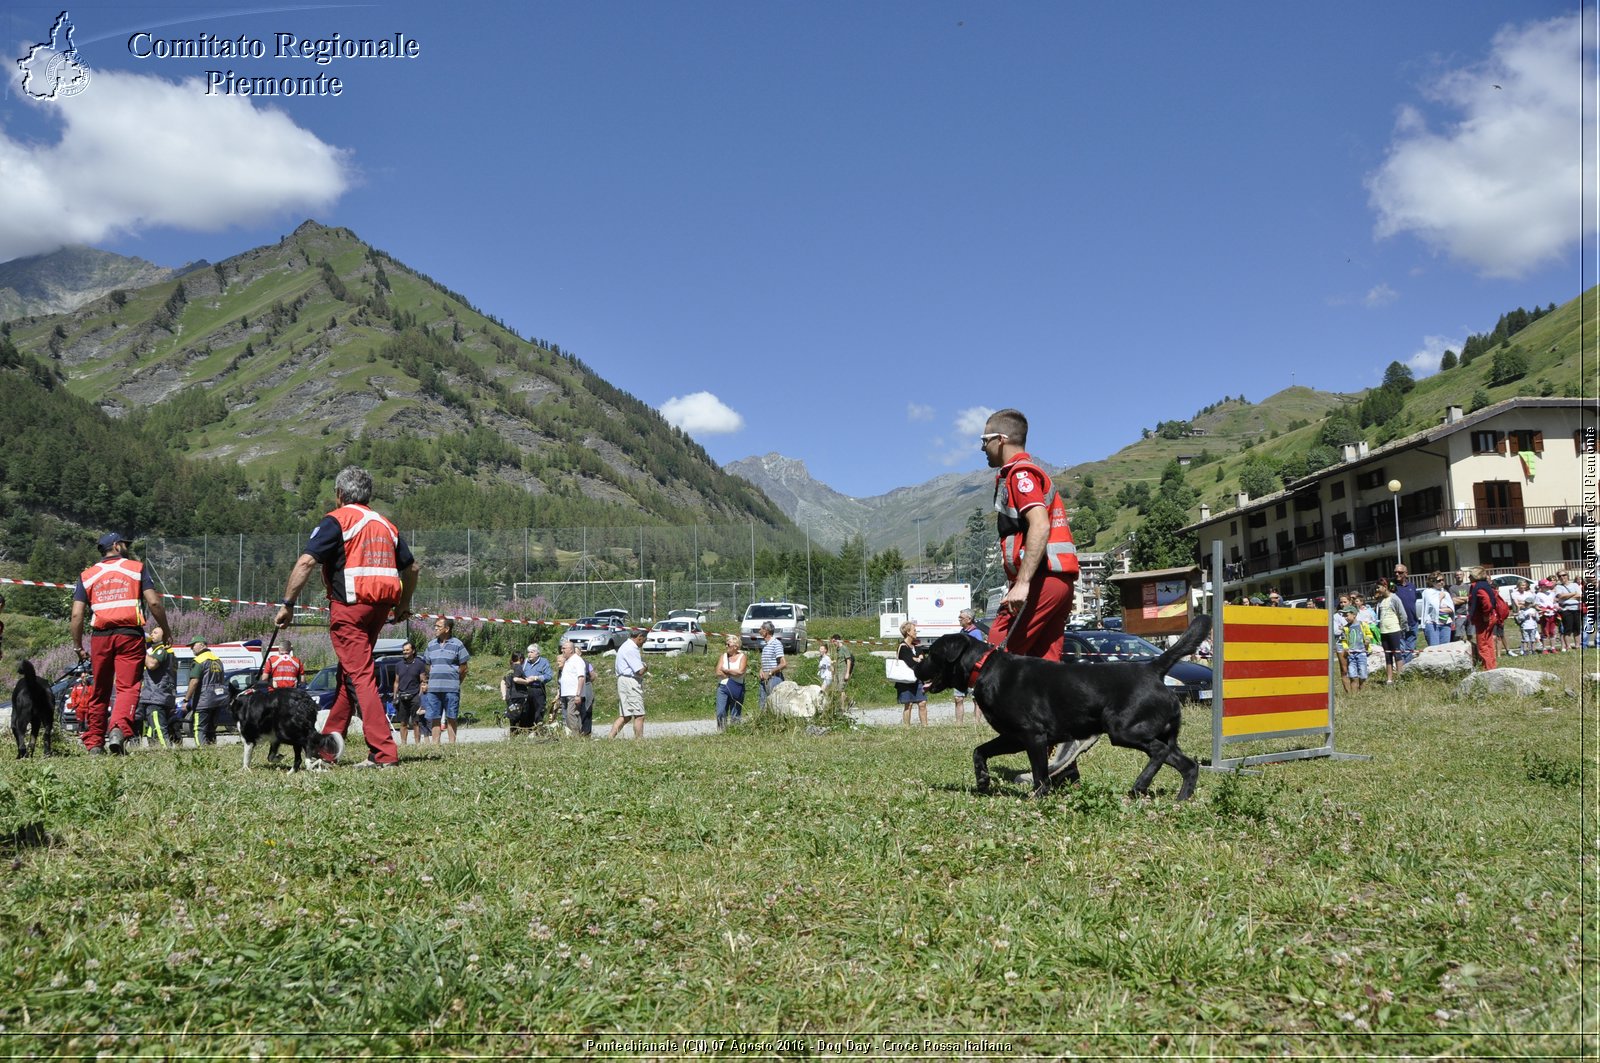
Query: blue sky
{"x": 844, "y": 232}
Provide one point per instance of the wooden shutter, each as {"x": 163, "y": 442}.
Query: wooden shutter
{"x": 1538, "y": 442}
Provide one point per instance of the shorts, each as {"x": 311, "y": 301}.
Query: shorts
{"x": 1391, "y": 643}
{"x": 1571, "y": 621}
{"x": 446, "y": 704}
{"x": 405, "y": 710}
{"x": 630, "y": 696}
{"x": 1357, "y": 663}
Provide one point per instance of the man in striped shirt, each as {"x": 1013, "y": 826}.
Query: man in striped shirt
{"x": 772, "y": 661}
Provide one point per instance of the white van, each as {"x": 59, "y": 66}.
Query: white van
{"x": 788, "y": 621}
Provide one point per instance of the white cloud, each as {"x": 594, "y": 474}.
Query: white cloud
{"x": 1425, "y": 362}
{"x": 970, "y": 422}
{"x": 1499, "y": 188}
{"x": 916, "y": 411}
{"x": 1382, "y": 295}
{"x": 138, "y": 151}
{"x": 701, "y": 413}
{"x": 959, "y": 447}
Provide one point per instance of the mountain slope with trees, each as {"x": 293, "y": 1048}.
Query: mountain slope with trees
{"x": 293, "y": 359}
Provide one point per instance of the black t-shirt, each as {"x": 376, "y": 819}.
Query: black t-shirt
{"x": 408, "y": 677}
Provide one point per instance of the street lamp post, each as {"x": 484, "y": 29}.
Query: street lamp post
{"x": 1394, "y": 493}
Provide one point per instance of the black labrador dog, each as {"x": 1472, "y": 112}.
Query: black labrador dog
{"x": 32, "y": 710}
{"x": 1034, "y": 704}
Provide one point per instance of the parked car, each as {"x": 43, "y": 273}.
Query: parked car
{"x": 683, "y": 635}
{"x": 386, "y": 656}
{"x": 788, "y": 621}
{"x": 688, "y": 614}
{"x": 1194, "y": 681}
{"x": 596, "y": 634}
{"x": 1112, "y": 623}
{"x": 619, "y": 615}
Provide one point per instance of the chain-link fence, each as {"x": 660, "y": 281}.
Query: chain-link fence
{"x": 562, "y": 573}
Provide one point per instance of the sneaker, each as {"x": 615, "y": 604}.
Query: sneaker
{"x": 114, "y": 741}
{"x": 1071, "y": 752}
{"x": 369, "y": 763}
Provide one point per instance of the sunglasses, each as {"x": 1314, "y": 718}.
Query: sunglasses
{"x": 984, "y": 439}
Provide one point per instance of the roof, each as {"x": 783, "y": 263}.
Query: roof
{"x": 1155, "y": 573}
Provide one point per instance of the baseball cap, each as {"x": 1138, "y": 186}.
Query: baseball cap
{"x": 197, "y": 642}
{"x": 110, "y": 539}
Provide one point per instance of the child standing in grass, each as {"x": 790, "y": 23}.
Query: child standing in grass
{"x": 1528, "y": 621}
{"x": 1355, "y": 641}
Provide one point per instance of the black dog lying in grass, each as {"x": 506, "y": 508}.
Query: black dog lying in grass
{"x": 289, "y": 717}
{"x": 1035, "y": 704}
{"x": 32, "y": 710}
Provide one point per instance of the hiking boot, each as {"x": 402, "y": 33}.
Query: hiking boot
{"x": 114, "y": 741}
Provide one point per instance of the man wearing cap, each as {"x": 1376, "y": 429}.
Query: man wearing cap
{"x": 207, "y": 694}
{"x": 370, "y": 575}
{"x": 117, "y": 589}
{"x": 537, "y": 672}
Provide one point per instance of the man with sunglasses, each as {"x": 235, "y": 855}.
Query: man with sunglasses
{"x": 1036, "y": 550}
{"x": 1041, "y": 562}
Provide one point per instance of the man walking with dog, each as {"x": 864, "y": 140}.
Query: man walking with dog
{"x": 118, "y": 589}
{"x": 1036, "y": 551}
{"x": 370, "y": 575}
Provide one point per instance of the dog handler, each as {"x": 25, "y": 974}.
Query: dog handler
{"x": 370, "y": 575}
{"x": 118, "y": 589}
{"x": 1036, "y": 550}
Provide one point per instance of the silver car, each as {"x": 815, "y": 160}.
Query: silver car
{"x": 683, "y": 634}
{"x": 595, "y": 634}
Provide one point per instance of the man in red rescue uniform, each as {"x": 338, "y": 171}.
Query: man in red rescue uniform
{"x": 118, "y": 589}
{"x": 1036, "y": 549}
{"x": 370, "y": 575}
{"x": 284, "y": 669}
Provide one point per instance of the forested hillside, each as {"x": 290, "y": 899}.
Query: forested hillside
{"x": 291, "y": 360}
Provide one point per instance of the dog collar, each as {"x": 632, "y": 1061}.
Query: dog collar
{"x": 972, "y": 680}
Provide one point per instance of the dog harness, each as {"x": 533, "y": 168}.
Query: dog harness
{"x": 972, "y": 680}
{"x": 1019, "y": 486}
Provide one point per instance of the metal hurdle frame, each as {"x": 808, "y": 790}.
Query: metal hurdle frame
{"x": 1219, "y": 683}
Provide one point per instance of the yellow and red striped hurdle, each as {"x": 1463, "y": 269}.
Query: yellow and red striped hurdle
{"x": 1277, "y": 681}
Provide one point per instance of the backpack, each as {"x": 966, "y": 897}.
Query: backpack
{"x": 1498, "y": 608}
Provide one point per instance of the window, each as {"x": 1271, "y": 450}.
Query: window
{"x": 1503, "y": 553}
{"x": 1308, "y": 533}
{"x": 1525, "y": 439}
{"x": 1258, "y": 548}
{"x": 1366, "y": 481}
{"x": 1433, "y": 559}
{"x": 1572, "y": 550}
{"x": 1258, "y": 520}
{"x": 1233, "y": 527}
{"x": 1486, "y": 442}
{"x": 1336, "y": 490}
{"x": 1281, "y": 510}
{"x": 1341, "y": 576}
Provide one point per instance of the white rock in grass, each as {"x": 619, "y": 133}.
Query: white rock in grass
{"x": 1447, "y": 660}
{"x": 792, "y": 699}
{"x": 1514, "y": 681}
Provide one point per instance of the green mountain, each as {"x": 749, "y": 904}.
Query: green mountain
{"x": 293, "y": 359}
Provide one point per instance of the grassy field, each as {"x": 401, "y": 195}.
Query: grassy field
{"x": 795, "y": 894}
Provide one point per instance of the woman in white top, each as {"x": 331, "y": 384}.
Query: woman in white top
{"x": 730, "y": 682}
{"x": 1436, "y": 609}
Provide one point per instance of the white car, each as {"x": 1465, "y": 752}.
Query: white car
{"x": 682, "y": 634}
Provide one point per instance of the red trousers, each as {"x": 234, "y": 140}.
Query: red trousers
{"x": 1043, "y": 621}
{"x": 353, "y": 630}
{"x": 1484, "y": 638}
{"x": 118, "y": 660}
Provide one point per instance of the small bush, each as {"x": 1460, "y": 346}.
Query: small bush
{"x": 1550, "y": 770}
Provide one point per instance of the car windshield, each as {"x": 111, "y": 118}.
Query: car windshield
{"x": 770, "y": 612}
{"x": 1115, "y": 643}
{"x": 590, "y": 621}
{"x": 673, "y": 625}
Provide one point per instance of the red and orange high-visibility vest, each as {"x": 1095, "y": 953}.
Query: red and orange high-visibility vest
{"x": 115, "y": 588}
{"x": 371, "y": 574}
{"x": 1060, "y": 554}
